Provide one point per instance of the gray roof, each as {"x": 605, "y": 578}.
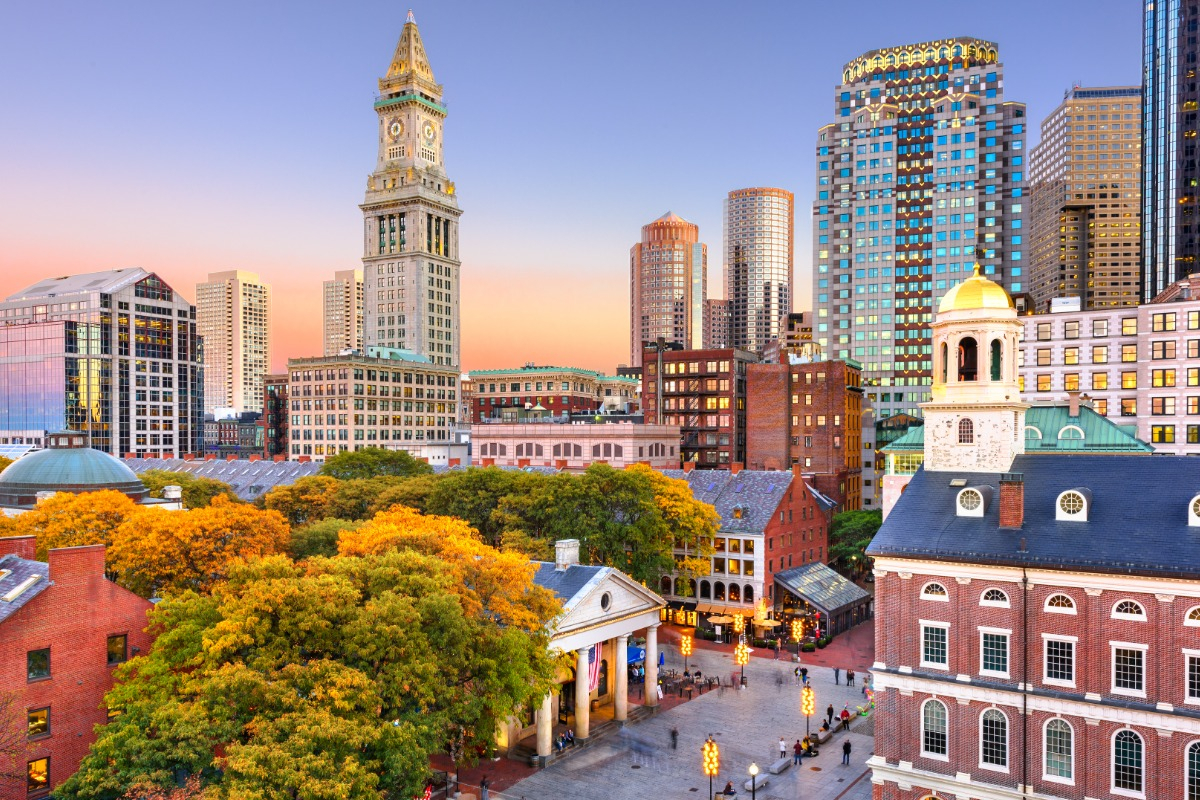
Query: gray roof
{"x": 108, "y": 282}
{"x": 20, "y": 569}
{"x": 822, "y": 500}
{"x": 1137, "y": 522}
{"x": 822, "y": 587}
{"x": 567, "y": 583}
{"x": 757, "y": 493}
{"x": 249, "y": 479}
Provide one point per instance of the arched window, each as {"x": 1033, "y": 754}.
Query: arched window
{"x": 968, "y": 359}
{"x": 1192, "y": 620}
{"x": 748, "y": 594}
{"x": 718, "y": 591}
{"x": 933, "y": 729}
{"x": 664, "y": 585}
{"x": 1193, "y": 771}
{"x": 705, "y": 590}
{"x": 966, "y": 431}
{"x": 996, "y": 359}
{"x": 1032, "y": 433}
{"x": 934, "y": 591}
{"x": 945, "y": 360}
{"x": 993, "y": 738}
{"x": 1127, "y": 761}
{"x": 735, "y": 592}
{"x": 1060, "y": 743}
{"x": 1060, "y": 604}
{"x": 1128, "y": 609}
{"x": 1071, "y": 432}
{"x": 1072, "y": 506}
{"x": 995, "y": 598}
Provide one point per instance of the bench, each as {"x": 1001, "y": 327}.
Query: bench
{"x": 780, "y": 765}
{"x": 756, "y": 783}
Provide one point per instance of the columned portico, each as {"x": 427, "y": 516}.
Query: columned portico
{"x": 582, "y": 693}
{"x": 652, "y": 665}
{"x": 621, "y": 701}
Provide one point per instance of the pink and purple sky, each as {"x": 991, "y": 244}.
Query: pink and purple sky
{"x": 194, "y": 138}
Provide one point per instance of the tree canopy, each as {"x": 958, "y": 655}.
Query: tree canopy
{"x": 371, "y": 462}
{"x": 849, "y": 536}
{"x": 197, "y": 491}
{"x": 71, "y": 520}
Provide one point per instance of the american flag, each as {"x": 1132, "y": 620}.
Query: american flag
{"x": 593, "y": 667}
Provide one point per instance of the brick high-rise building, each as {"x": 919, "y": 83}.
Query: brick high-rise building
{"x": 1170, "y": 121}
{"x": 233, "y": 316}
{"x": 759, "y": 252}
{"x": 411, "y": 268}
{"x": 1085, "y": 209}
{"x": 704, "y": 393}
{"x": 920, "y": 176}
{"x": 343, "y": 311}
{"x": 668, "y": 284}
{"x": 275, "y": 415}
{"x": 808, "y": 415}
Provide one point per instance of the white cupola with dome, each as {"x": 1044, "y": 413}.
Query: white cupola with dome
{"x": 976, "y": 420}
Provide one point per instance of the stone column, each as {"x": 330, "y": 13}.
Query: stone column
{"x": 621, "y": 707}
{"x": 652, "y": 665}
{"x": 545, "y": 729}
{"x": 582, "y": 695}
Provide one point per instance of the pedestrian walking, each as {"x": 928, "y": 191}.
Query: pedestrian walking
{"x": 804, "y": 674}
{"x": 674, "y": 738}
{"x": 846, "y": 751}
{"x": 782, "y": 748}
{"x": 849, "y": 677}
{"x": 836, "y": 674}
{"x": 483, "y": 788}
{"x": 829, "y": 714}
{"x": 797, "y": 752}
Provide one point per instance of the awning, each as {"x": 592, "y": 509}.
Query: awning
{"x": 636, "y": 654}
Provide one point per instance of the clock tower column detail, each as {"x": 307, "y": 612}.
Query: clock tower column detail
{"x": 411, "y": 267}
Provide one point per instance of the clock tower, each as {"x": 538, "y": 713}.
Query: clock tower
{"x": 410, "y": 216}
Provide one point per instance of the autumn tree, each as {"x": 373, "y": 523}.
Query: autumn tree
{"x": 371, "y": 462}
{"x": 70, "y": 520}
{"x": 4, "y": 462}
{"x": 197, "y": 491}
{"x": 332, "y": 679}
{"x": 319, "y": 538}
{"x": 307, "y": 500}
{"x": 13, "y": 739}
{"x": 158, "y": 551}
{"x": 412, "y": 492}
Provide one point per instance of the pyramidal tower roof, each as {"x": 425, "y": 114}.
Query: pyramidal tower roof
{"x": 409, "y": 62}
{"x": 671, "y": 216}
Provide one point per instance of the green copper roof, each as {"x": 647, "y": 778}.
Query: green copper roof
{"x": 913, "y": 440}
{"x": 70, "y": 467}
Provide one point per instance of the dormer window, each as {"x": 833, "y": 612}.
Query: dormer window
{"x": 1032, "y": 433}
{"x": 1129, "y": 609}
{"x": 935, "y": 591}
{"x": 1072, "y": 506}
{"x": 1194, "y": 512}
{"x": 973, "y": 501}
{"x": 1072, "y": 432}
{"x": 738, "y": 512}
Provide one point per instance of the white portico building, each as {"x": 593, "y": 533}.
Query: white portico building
{"x": 602, "y": 608}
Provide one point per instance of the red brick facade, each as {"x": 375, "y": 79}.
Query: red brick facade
{"x": 73, "y": 617}
{"x": 798, "y": 533}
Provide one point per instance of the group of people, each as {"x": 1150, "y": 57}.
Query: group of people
{"x": 566, "y": 740}
{"x": 637, "y": 673}
{"x": 849, "y": 676}
{"x": 691, "y": 677}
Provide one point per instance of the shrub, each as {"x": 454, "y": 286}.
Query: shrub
{"x": 822, "y": 642}
{"x": 808, "y": 647}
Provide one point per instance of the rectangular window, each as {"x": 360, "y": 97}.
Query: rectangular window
{"x": 1160, "y": 351}
{"x": 1099, "y": 380}
{"x": 1193, "y": 348}
{"x": 1070, "y": 355}
{"x": 1060, "y": 662}
{"x": 1043, "y": 331}
{"x": 1129, "y": 353}
{"x": 1043, "y": 357}
{"x": 37, "y": 664}
{"x": 1071, "y": 382}
{"x": 1160, "y": 378}
{"x": 1193, "y": 377}
{"x": 1193, "y": 320}
{"x": 1099, "y": 354}
{"x": 1100, "y": 406}
{"x": 1099, "y": 328}
{"x": 38, "y": 720}
{"x": 1128, "y": 669}
{"x": 1129, "y": 326}
{"x": 1160, "y": 323}
{"x": 994, "y": 653}
{"x": 934, "y": 645}
{"x": 1162, "y": 434}
{"x": 1193, "y": 678}
{"x": 1128, "y": 407}
{"x": 1043, "y": 383}
{"x": 118, "y": 649}
{"x": 1162, "y": 406}
{"x": 1071, "y": 329}
{"x": 1128, "y": 380}
{"x": 37, "y": 775}
{"x": 1193, "y": 434}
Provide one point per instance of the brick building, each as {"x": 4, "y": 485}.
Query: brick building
{"x": 1038, "y": 607}
{"x": 63, "y": 629}
{"x": 808, "y": 414}
{"x": 574, "y": 447}
{"x": 704, "y": 393}
{"x": 275, "y": 416}
{"x": 560, "y": 391}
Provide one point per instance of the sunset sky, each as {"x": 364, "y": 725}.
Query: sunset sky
{"x": 200, "y": 137}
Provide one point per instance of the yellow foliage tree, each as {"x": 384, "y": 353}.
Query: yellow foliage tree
{"x": 71, "y": 520}
{"x": 165, "y": 552}
{"x": 305, "y": 501}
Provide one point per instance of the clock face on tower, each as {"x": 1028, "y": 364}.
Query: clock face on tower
{"x": 395, "y": 128}
{"x": 429, "y": 132}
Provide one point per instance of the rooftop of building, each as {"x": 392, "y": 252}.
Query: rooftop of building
{"x": 976, "y": 292}
{"x": 66, "y": 465}
{"x": 821, "y": 586}
{"x": 1101, "y": 92}
{"x": 569, "y": 582}
{"x": 536, "y": 369}
{"x": 915, "y": 53}
{"x": 21, "y": 580}
{"x": 389, "y": 357}
{"x": 745, "y": 500}
{"x": 107, "y": 282}
{"x": 249, "y": 479}
{"x": 1135, "y": 521}
{"x": 1182, "y": 290}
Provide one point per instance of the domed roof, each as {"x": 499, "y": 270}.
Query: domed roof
{"x": 975, "y": 292}
{"x": 66, "y": 465}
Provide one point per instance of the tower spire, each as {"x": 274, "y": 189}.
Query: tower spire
{"x": 410, "y": 19}
{"x": 409, "y": 61}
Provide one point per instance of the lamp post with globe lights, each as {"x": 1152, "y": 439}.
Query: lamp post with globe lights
{"x": 741, "y": 656}
{"x": 753, "y": 780}
{"x": 808, "y": 704}
{"x": 710, "y": 761}
{"x": 685, "y": 647}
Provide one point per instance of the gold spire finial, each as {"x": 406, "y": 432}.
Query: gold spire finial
{"x": 976, "y": 269}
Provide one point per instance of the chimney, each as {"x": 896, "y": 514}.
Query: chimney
{"x": 20, "y": 546}
{"x": 453, "y": 462}
{"x": 131, "y": 455}
{"x": 172, "y": 492}
{"x": 256, "y": 457}
{"x": 280, "y": 458}
{"x": 231, "y": 458}
{"x": 735, "y": 468}
{"x": 189, "y": 457}
{"x": 522, "y": 462}
{"x": 76, "y": 565}
{"x": 210, "y": 457}
{"x": 487, "y": 462}
{"x": 1073, "y": 403}
{"x": 566, "y": 553}
{"x": 796, "y": 471}
{"x": 1012, "y": 500}
{"x": 688, "y": 466}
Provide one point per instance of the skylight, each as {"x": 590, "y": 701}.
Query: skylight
{"x": 958, "y": 482}
{"x": 20, "y": 588}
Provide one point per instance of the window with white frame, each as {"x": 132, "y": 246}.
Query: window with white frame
{"x": 1129, "y": 609}
{"x": 1060, "y": 604}
{"x": 935, "y": 591}
{"x": 933, "y": 729}
{"x": 935, "y": 651}
{"x": 1127, "y": 762}
{"x": 996, "y": 598}
{"x": 993, "y": 648}
{"x": 1192, "y": 620}
{"x": 1060, "y": 743}
{"x": 1192, "y": 678}
{"x": 1060, "y": 660}
{"x": 1193, "y": 771}
{"x": 1129, "y": 668}
{"x": 993, "y": 739}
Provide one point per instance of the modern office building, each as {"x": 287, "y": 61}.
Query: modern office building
{"x": 343, "y": 311}
{"x": 113, "y": 354}
{"x": 1170, "y": 173}
{"x": 233, "y": 316}
{"x": 717, "y": 315}
{"x": 668, "y": 284}
{"x": 411, "y": 268}
{"x": 1085, "y": 200}
{"x": 920, "y": 176}
{"x": 759, "y": 253}
{"x": 384, "y": 398}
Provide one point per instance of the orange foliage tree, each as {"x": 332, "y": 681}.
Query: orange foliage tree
{"x": 71, "y": 520}
{"x": 159, "y": 551}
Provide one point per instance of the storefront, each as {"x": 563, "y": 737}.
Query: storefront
{"x": 822, "y": 601}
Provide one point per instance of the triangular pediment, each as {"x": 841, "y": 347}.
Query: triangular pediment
{"x": 609, "y": 597}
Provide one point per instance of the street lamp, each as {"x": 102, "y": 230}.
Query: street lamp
{"x": 741, "y": 656}
{"x": 685, "y": 647}
{"x": 808, "y": 704}
{"x": 710, "y": 761}
{"x": 797, "y": 629}
{"x": 753, "y": 780}
{"x": 739, "y": 624}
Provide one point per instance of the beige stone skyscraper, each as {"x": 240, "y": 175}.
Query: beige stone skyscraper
{"x": 668, "y": 283}
{"x": 759, "y": 230}
{"x": 343, "y": 312}
{"x": 233, "y": 315}
{"x": 410, "y": 216}
{"x": 1085, "y": 200}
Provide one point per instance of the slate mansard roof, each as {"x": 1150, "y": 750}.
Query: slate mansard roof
{"x": 756, "y": 492}
{"x": 1137, "y": 520}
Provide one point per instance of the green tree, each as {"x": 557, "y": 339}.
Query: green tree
{"x": 373, "y": 461}
{"x": 197, "y": 491}
{"x": 319, "y": 538}
{"x": 333, "y": 679}
{"x": 849, "y": 536}
{"x": 411, "y": 492}
{"x": 476, "y": 495}
{"x": 305, "y": 501}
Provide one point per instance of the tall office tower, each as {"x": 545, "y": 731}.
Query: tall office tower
{"x": 410, "y": 215}
{"x": 1085, "y": 209}
{"x": 113, "y": 354}
{"x": 668, "y": 283}
{"x": 716, "y": 324}
{"x": 343, "y": 309}
{"x": 759, "y": 227}
{"x": 233, "y": 315}
{"x": 1170, "y": 174}
{"x": 920, "y": 178}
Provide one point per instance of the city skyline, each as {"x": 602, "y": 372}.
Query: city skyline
{"x": 177, "y": 141}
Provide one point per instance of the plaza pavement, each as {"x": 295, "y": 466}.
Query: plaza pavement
{"x": 639, "y": 764}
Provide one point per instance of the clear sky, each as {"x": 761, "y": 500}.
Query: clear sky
{"x": 194, "y": 137}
